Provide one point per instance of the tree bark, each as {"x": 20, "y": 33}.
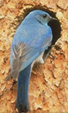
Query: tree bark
{"x": 48, "y": 90}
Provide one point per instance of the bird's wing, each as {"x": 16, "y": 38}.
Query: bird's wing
{"x": 21, "y": 53}
{"x": 47, "y": 43}
{"x": 48, "y": 40}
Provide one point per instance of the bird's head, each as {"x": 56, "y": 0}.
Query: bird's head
{"x": 42, "y": 16}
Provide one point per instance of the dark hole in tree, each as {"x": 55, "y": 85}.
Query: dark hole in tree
{"x": 55, "y": 25}
{"x": 56, "y": 29}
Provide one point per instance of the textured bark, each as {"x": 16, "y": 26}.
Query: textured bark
{"x": 48, "y": 92}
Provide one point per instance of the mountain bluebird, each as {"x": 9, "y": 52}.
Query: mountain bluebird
{"x": 31, "y": 39}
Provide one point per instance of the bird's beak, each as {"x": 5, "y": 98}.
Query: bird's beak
{"x": 51, "y": 18}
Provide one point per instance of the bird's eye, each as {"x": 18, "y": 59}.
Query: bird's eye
{"x": 44, "y": 16}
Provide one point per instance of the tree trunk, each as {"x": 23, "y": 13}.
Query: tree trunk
{"x": 48, "y": 91}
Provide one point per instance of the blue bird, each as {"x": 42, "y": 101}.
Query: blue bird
{"x": 31, "y": 39}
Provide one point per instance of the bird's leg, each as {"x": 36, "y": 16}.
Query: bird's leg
{"x": 47, "y": 53}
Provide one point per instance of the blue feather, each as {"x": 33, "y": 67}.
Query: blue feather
{"x": 22, "y": 89}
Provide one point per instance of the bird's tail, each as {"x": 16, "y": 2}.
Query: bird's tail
{"x": 22, "y": 103}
